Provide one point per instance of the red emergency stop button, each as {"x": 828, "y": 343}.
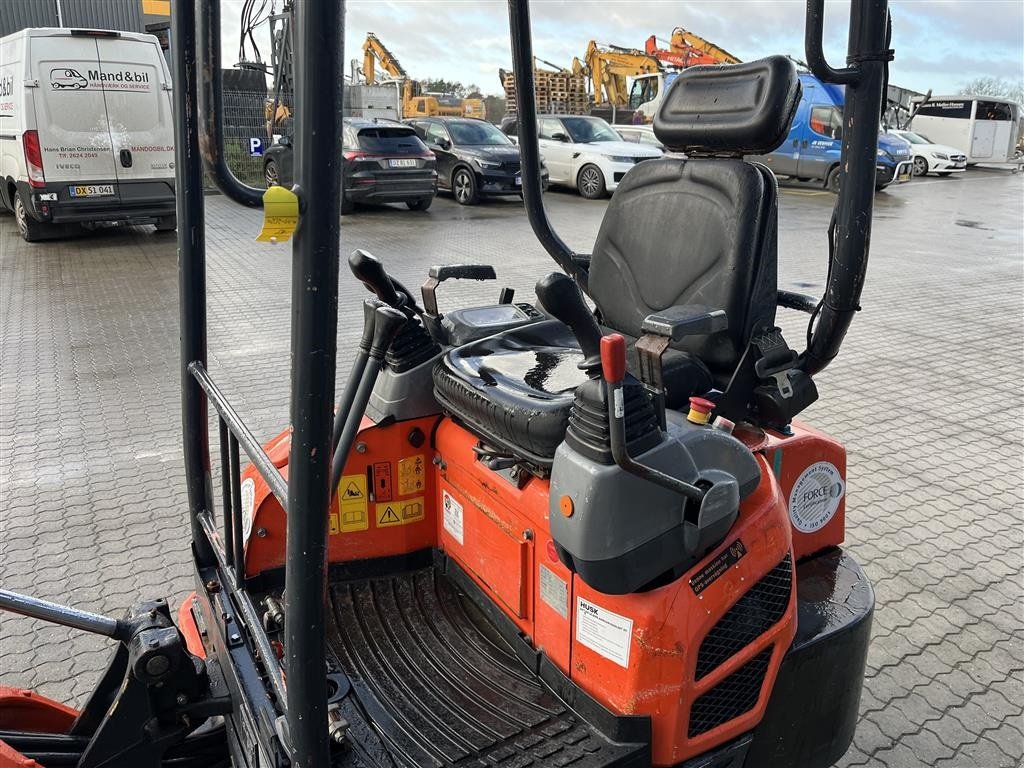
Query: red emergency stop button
{"x": 700, "y": 410}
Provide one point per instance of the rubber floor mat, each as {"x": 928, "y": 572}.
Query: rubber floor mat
{"x": 433, "y": 684}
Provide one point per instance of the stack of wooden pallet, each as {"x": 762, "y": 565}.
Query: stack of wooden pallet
{"x": 556, "y": 92}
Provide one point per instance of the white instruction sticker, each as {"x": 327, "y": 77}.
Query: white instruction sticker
{"x": 453, "y": 517}
{"x": 554, "y": 591}
{"x": 248, "y": 496}
{"x": 815, "y": 497}
{"x": 603, "y": 632}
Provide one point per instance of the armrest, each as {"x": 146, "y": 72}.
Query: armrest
{"x": 676, "y": 323}
{"x": 463, "y": 272}
{"x": 438, "y": 274}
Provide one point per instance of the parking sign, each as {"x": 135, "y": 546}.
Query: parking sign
{"x": 256, "y": 147}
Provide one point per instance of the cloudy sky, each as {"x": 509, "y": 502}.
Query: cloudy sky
{"x": 939, "y": 44}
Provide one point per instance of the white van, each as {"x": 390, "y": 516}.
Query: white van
{"x": 86, "y": 129}
{"x": 987, "y": 127}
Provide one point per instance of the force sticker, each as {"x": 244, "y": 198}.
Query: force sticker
{"x": 452, "y": 514}
{"x": 400, "y": 512}
{"x": 353, "y": 504}
{"x": 411, "y": 475}
{"x": 815, "y": 497}
{"x": 604, "y": 632}
{"x": 554, "y": 591}
{"x": 248, "y": 495}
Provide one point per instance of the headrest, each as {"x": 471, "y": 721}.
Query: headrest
{"x": 734, "y": 109}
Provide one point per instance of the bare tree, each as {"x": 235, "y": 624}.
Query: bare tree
{"x": 994, "y": 86}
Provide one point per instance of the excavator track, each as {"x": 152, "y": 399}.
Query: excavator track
{"x": 434, "y": 684}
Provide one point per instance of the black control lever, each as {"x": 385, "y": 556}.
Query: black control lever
{"x": 348, "y": 394}
{"x": 369, "y": 271}
{"x": 562, "y": 299}
{"x": 386, "y": 323}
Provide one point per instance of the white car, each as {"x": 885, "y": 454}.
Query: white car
{"x": 640, "y": 134}
{"x": 586, "y": 153}
{"x": 933, "y": 158}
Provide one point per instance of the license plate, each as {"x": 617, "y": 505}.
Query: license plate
{"x": 410, "y": 163}
{"x": 519, "y": 181}
{"x": 91, "y": 190}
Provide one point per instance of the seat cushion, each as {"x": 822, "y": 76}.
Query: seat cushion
{"x": 515, "y": 390}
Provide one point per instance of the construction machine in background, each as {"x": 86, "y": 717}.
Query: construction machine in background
{"x": 415, "y": 102}
{"x": 686, "y": 49}
{"x": 608, "y": 69}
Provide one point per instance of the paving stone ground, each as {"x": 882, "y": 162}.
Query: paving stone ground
{"x": 927, "y": 395}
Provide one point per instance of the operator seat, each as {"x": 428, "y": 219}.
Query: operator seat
{"x": 698, "y": 230}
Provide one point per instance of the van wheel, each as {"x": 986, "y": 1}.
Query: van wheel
{"x": 832, "y": 182}
{"x": 590, "y": 182}
{"x": 166, "y": 223}
{"x": 31, "y": 230}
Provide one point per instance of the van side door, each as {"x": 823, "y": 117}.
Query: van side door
{"x": 823, "y": 142}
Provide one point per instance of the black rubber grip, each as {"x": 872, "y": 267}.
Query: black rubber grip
{"x": 562, "y": 299}
{"x": 368, "y": 270}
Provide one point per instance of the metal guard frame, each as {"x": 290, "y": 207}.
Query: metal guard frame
{"x": 305, "y": 496}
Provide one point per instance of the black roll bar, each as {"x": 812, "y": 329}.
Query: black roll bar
{"x": 868, "y": 56}
{"x": 191, "y": 210}
{"x": 319, "y": 76}
{"x": 212, "y": 125}
{"x": 573, "y": 264}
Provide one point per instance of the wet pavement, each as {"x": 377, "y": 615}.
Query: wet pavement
{"x": 926, "y": 394}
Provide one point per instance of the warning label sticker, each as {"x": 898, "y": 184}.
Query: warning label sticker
{"x": 353, "y": 505}
{"x": 815, "y": 496}
{"x": 607, "y": 634}
{"x": 554, "y": 591}
{"x": 452, "y": 512}
{"x": 400, "y": 512}
{"x": 411, "y": 475}
{"x": 248, "y": 490}
{"x": 382, "y": 481}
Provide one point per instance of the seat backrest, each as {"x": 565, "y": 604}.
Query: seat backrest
{"x": 701, "y": 229}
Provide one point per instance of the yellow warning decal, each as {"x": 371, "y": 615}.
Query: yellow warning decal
{"x": 353, "y": 505}
{"x": 280, "y": 215}
{"x": 400, "y": 512}
{"x": 412, "y": 474}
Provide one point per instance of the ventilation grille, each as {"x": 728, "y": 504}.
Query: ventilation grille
{"x": 735, "y": 695}
{"x": 753, "y": 615}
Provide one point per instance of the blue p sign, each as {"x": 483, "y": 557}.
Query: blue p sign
{"x": 255, "y": 147}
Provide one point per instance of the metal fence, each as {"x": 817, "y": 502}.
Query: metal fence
{"x": 245, "y": 134}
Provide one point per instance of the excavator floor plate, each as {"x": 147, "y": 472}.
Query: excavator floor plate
{"x": 432, "y": 683}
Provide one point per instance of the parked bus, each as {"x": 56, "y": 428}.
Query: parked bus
{"x": 985, "y": 126}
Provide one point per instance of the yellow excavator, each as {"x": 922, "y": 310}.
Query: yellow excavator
{"x": 608, "y": 68}
{"x": 415, "y": 103}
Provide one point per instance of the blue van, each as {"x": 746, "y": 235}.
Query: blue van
{"x": 812, "y": 149}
